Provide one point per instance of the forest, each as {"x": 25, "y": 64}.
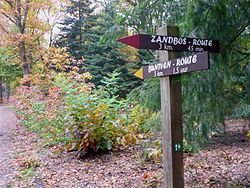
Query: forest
{"x": 72, "y": 82}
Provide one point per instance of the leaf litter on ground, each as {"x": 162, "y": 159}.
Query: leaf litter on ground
{"x": 225, "y": 163}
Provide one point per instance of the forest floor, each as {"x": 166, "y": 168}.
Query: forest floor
{"x": 26, "y": 162}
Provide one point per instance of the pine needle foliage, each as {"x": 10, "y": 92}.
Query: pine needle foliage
{"x": 209, "y": 97}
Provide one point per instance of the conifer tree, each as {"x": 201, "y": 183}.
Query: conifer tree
{"x": 104, "y": 57}
{"x": 74, "y": 31}
{"x": 83, "y": 35}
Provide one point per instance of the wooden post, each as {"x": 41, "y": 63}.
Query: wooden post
{"x": 171, "y": 107}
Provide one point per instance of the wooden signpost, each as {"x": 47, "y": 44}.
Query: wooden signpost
{"x": 169, "y": 69}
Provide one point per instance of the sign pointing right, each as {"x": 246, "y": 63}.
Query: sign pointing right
{"x": 199, "y": 61}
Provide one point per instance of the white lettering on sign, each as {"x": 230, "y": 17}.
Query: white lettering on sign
{"x": 191, "y": 48}
{"x": 153, "y": 39}
{"x": 202, "y": 42}
{"x": 168, "y": 47}
{"x": 199, "y": 49}
{"x": 183, "y": 70}
{"x": 165, "y": 47}
{"x": 181, "y": 41}
{"x": 159, "y": 66}
{"x": 160, "y": 73}
{"x": 186, "y": 60}
{"x": 168, "y": 40}
{"x": 176, "y": 70}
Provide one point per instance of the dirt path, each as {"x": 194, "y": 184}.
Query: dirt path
{"x": 8, "y": 123}
{"x": 25, "y": 161}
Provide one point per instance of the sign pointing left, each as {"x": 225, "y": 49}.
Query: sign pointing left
{"x": 133, "y": 40}
{"x": 139, "y": 73}
{"x": 171, "y": 43}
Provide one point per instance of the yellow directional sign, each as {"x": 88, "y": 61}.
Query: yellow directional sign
{"x": 139, "y": 73}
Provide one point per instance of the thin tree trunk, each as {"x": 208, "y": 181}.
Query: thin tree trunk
{"x": 23, "y": 57}
{"x": 30, "y": 62}
{"x": 7, "y": 90}
{"x": 224, "y": 128}
{"x": 1, "y": 91}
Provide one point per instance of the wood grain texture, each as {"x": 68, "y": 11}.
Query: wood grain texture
{"x": 171, "y": 107}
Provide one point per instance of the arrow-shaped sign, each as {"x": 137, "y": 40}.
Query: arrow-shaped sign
{"x": 199, "y": 61}
{"x": 171, "y": 43}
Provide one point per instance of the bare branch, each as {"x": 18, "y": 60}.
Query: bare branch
{"x": 131, "y": 2}
{"x": 9, "y": 17}
{"x": 9, "y": 2}
{"x": 241, "y": 30}
{"x": 242, "y": 53}
{"x": 4, "y": 29}
{"x": 238, "y": 79}
{"x": 237, "y": 63}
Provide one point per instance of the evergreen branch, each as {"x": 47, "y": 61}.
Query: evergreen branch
{"x": 208, "y": 5}
{"x": 219, "y": 74}
{"x": 241, "y": 22}
{"x": 238, "y": 79}
{"x": 131, "y": 2}
{"x": 200, "y": 21}
{"x": 243, "y": 53}
{"x": 150, "y": 6}
{"x": 152, "y": 53}
{"x": 237, "y": 35}
{"x": 237, "y": 62}
{"x": 244, "y": 8}
{"x": 137, "y": 30}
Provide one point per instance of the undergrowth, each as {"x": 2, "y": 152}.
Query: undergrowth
{"x": 74, "y": 114}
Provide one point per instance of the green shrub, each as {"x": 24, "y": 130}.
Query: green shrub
{"x": 242, "y": 110}
{"x": 98, "y": 120}
{"x": 75, "y": 114}
{"x": 153, "y": 123}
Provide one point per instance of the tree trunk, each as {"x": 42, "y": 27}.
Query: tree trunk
{"x": 7, "y": 90}
{"x": 1, "y": 91}
{"x": 23, "y": 57}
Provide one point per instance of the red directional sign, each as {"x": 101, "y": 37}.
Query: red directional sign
{"x": 171, "y": 43}
{"x": 199, "y": 61}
